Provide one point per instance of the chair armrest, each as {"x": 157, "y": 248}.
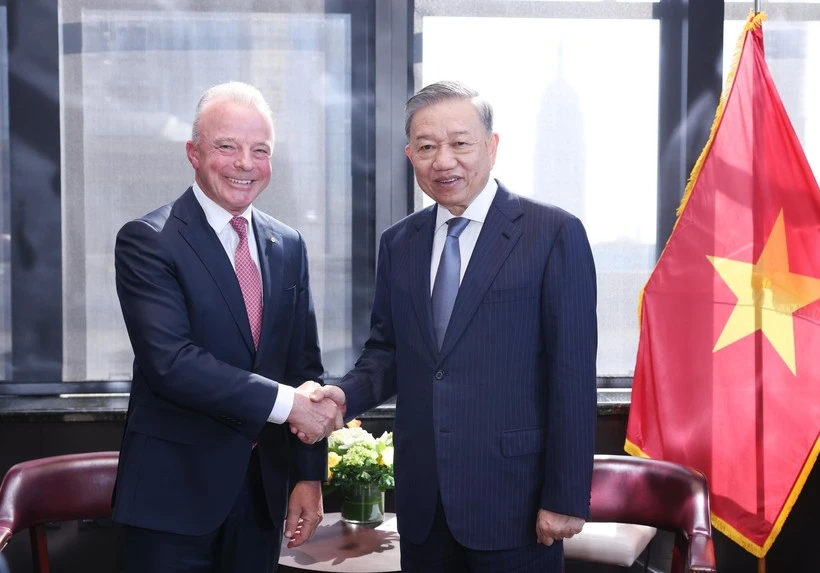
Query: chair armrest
{"x": 701, "y": 553}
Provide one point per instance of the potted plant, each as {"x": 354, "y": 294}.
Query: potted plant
{"x": 361, "y": 466}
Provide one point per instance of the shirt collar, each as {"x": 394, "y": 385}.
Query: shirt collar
{"x": 217, "y": 216}
{"x": 475, "y": 211}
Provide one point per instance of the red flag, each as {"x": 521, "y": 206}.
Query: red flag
{"x": 727, "y": 378}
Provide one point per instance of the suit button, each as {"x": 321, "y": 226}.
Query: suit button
{"x": 439, "y": 374}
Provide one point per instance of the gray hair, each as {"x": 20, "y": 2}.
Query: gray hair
{"x": 441, "y": 91}
{"x": 238, "y": 92}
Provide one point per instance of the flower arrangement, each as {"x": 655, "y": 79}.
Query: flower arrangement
{"x": 356, "y": 458}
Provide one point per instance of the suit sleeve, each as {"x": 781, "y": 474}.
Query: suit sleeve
{"x": 373, "y": 378}
{"x": 154, "y": 308}
{"x": 569, "y": 322}
{"x": 305, "y": 363}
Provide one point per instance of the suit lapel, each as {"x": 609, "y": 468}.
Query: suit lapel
{"x": 271, "y": 262}
{"x": 204, "y": 242}
{"x": 420, "y": 248}
{"x": 499, "y": 234}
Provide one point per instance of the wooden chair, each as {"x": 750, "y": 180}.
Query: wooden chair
{"x": 53, "y": 489}
{"x": 664, "y": 495}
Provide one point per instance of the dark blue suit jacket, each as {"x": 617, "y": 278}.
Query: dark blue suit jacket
{"x": 501, "y": 421}
{"x": 201, "y": 394}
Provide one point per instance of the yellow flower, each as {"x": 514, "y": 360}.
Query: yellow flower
{"x": 354, "y": 424}
{"x": 386, "y": 458}
{"x": 333, "y": 459}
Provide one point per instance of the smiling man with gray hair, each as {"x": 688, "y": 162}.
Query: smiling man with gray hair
{"x": 216, "y": 298}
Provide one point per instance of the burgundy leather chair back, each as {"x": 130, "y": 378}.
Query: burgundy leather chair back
{"x": 59, "y": 488}
{"x": 665, "y": 495}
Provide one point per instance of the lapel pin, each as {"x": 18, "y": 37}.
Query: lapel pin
{"x": 273, "y": 239}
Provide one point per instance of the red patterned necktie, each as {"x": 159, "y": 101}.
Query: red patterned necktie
{"x": 249, "y": 280}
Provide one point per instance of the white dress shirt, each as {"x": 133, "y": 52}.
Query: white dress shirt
{"x": 219, "y": 219}
{"x": 476, "y": 212}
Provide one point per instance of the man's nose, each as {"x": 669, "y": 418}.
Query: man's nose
{"x": 444, "y": 157}
{"x": 244, "y": 160}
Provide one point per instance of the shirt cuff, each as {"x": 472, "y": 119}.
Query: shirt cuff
{"x": 283, "y": 405}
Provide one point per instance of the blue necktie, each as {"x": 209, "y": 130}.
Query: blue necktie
{"x": 445, "y": 288}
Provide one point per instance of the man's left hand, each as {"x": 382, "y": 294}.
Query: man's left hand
{"x": 305, "y": 512}
{"x": 551, "y": 527}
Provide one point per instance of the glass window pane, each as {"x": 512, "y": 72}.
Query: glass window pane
{"x": 131, "y": 80}
{"x": 578, "y": 129}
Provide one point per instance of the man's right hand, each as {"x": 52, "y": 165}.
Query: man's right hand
{"x": 313, "y": 416}
{"x": 333, "y": 393}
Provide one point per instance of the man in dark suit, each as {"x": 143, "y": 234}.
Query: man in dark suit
{"x": 496, "y": 393}
{"x": 216, "y": 299}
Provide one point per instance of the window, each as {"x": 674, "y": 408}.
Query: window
{"x": 577, "y": 117}
{"x": 601, "y": 122}
{"x": 125, "y": 81}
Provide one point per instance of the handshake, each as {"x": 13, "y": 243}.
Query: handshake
{"x": 317, "y": 411}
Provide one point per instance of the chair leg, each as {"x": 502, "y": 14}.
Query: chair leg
{"x": 648, "y": 556}
{"x": 679, "y": 554}
{"x": 39, "y": 548}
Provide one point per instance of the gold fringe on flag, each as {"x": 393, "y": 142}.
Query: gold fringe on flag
{"x": 753, "y": 22}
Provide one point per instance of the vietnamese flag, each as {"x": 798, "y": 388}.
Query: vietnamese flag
{"x": 727, "y": 377}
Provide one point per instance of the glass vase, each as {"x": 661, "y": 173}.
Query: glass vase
{"x": 363, "y": 505}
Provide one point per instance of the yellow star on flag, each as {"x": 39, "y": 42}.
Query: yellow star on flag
{"x": 767, "y": 295}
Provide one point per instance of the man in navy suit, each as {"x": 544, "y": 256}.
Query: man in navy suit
{"x": 216, "y": 299}
{"x": 496, "y": 398}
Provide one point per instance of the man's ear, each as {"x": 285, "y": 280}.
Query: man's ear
{"x": 493, "y": 147}
{"x": 193, "y": 153}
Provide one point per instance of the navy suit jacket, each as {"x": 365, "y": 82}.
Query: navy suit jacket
{"x": 201, "y": 394}
{"x": 501, "y": 421}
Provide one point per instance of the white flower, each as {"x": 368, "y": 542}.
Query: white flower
{"x": 341, "y": 440}
{"x": 385, "y": 441}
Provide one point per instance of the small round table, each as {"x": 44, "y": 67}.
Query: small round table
{"x": 339, "y": 547}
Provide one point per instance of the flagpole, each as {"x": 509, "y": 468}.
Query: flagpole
{"x": 761, "y": 562}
